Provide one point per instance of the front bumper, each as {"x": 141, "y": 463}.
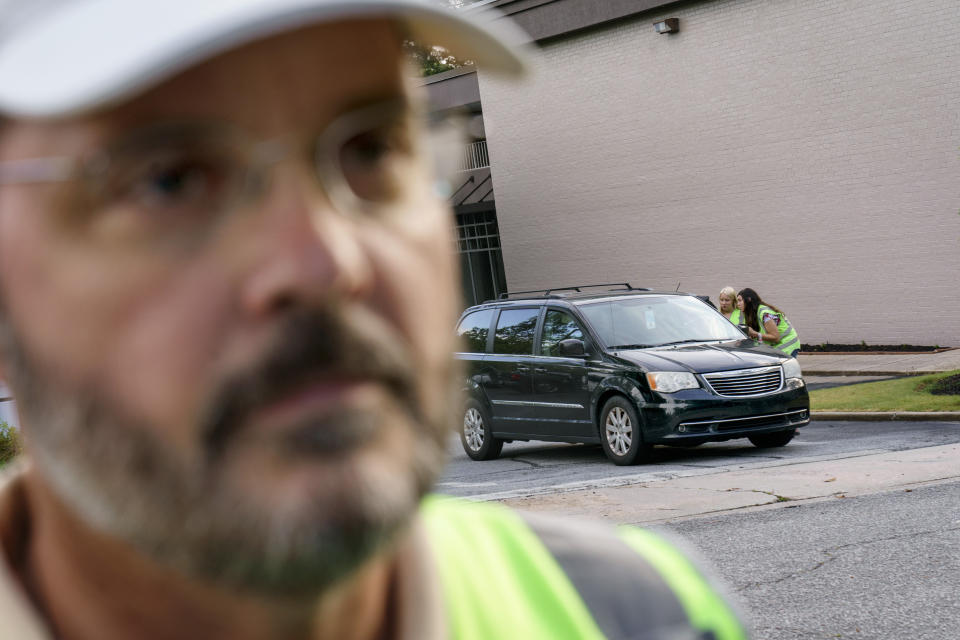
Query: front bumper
{"x": 700, "y": 416}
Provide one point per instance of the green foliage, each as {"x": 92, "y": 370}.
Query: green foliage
{"x": 949, "y": 386}
{"x": 9, "y": 443}
{"x": 901, "y": 394}
{"x": 432, "y": 60}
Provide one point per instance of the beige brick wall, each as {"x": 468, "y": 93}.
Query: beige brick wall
{"x": 809, "y": 149}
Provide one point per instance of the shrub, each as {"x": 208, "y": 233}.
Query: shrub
{"x": 9, "y": 443}
{"x": 949, "y": 386}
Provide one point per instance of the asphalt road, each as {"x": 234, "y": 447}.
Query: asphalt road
{"x": 880, "y": 565}
{"x": 884, "y": 566}
{"x": 537, "y": 468}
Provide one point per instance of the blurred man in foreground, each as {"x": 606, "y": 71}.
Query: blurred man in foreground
{"x": 226, "y": 306}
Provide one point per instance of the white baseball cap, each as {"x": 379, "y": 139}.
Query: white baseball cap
{"x": 62, "y": 57}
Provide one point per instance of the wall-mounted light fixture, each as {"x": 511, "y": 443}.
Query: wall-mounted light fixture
{"x": 669, "y": 25}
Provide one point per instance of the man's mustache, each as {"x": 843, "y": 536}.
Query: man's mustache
{"x": 331, "y": 343}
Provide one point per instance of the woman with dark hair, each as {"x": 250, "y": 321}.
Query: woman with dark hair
{"x": 767, "y": 324}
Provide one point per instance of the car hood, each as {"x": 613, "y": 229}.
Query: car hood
{"x": 703, "y": 358}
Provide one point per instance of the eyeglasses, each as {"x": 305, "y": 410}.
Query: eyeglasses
{"x": 176, "y": 180}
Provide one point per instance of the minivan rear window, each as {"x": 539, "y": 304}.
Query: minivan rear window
{"x": 515, "y": 330}
{"x": 473, "y": 330}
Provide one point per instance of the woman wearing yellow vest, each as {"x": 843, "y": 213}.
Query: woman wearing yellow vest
{"x": 767, "y": 324}
{"x": 728, "y": 305}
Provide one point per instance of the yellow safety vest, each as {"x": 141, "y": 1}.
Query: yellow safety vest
{"x": 504, "y": 575}
{"x": 789, "y": 340}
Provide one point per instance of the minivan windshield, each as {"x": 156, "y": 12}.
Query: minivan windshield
{"x": 656, "y": 321}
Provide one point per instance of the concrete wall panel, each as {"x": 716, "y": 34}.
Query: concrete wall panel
{"x": 808, "y": 149}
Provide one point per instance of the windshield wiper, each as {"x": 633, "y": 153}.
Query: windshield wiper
{"x": 632, "y": 346}
{"x": 667, "y": 344}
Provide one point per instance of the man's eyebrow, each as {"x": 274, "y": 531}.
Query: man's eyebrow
{"x": 174, "y": 131}
{"x": 400, "y": 100}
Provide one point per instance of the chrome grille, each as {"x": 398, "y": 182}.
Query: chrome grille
{"x": 746, "y": 382}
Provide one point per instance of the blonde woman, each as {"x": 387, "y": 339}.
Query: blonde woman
{"x": 728, "y": 305}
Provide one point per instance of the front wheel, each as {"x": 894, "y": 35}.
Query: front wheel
{"x": 775, "y": 439}
{"x": 620, "y": 432}
{"x": 475, "y": 433}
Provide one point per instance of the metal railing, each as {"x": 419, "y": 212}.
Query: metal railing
{"x": 475, "y": 156}
{"x": 8, "y": 409}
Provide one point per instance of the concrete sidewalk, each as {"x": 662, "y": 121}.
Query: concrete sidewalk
{"x": 787, "y": 485}
{"x": 880, "y": 364}
{"x": 867, "y": 367}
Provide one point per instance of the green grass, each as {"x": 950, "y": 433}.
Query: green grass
{"x": 902, "y": 394}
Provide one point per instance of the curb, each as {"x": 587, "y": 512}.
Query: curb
{"x": 868, "y": 372}
{"x": 882, "y": 416}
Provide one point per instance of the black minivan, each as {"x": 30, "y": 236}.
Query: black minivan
{"x": 627, "y": 368}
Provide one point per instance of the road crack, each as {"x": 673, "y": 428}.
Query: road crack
{"x": 771, "y": 493}
{"x": 534, "y": 465}
{"x": 834, "y": 553}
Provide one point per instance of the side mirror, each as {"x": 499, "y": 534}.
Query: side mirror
{"x": 572, "y": 348}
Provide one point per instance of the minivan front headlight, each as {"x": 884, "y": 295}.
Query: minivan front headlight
{"x": 791, "y": 369}
{"x": 792, "y": 376}
{"x": 671, "y": 381}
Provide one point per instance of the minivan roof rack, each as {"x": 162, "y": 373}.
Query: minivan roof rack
{"x": 548, "y": 293}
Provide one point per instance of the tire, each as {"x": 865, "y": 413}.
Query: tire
{"x": 775, "y": 439}
{"x": 620, "y": 433}
{"x": 475, "y": 434}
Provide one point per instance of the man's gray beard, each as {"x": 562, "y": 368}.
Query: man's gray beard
{"x": 119, "y": 478}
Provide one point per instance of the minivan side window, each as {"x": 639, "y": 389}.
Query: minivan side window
{"x": 515, "y": 330}
{"x": 473, "y": 331}
{"x": 557, "y": 326}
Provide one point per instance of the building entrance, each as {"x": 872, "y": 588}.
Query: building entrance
{"x": 481, "y": 263}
